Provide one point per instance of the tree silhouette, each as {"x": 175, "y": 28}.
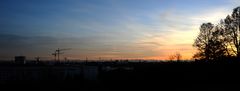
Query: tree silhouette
{"x": 171, "y": 57}
{"x": 222, "y": 40}
{"x": 177, "y": 57}
{"x": 210, "y": 42}
{"x": 232, "y": 31}
{"x": 203, "y": 40}
{"x": 217, "y": 45}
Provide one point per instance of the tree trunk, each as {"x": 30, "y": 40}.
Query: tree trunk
{"x": 238, "y": 55}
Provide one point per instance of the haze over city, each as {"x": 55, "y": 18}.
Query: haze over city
{"x": 110, "y": 29}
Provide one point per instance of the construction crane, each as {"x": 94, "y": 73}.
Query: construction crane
{"x": 57, "y": 53}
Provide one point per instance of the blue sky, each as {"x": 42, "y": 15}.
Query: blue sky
{"x": 105, "y": 28}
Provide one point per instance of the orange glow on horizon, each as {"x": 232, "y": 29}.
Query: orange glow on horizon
{"x": 163, "y": 54}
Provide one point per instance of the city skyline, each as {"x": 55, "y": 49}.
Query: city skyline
{"x": 110, "y": 29}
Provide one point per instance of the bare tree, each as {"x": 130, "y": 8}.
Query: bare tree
{"x": 232, "y": 30}
{"x": 211, "y": 42}
{"x": 203, "y": 40}
{"x": 171, "y": 57}
{"x": 177, "y": 57}
{"x": 220, "y": 41}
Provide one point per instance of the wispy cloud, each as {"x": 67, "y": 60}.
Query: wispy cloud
{"x": 12, "y": 45}
{"x": 119, "y": 29}
{"x": 173, "y": 30}
{"x": 211, "y": 15}
{"x": 234, "y": 2}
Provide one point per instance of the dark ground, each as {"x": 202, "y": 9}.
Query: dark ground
{"x": 149, "y": 76}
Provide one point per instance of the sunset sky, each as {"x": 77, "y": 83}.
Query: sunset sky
{"x": 110, "y": 29}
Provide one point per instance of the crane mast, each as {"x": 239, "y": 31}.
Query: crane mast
{"x": 57, "y": 53}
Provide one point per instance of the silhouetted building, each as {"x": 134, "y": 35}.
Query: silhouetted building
{"x": 20, "y": 59}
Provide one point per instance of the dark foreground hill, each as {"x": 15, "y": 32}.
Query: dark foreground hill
{"x": 122, "y": 76}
